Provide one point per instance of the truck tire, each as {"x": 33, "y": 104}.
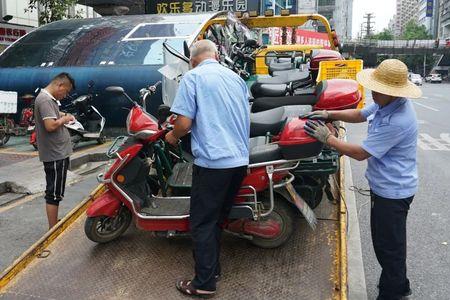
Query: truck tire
{"x": 104, "y": 229}
{"x": 286, "y": 216}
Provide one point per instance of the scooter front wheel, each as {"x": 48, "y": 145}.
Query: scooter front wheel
{"x": 285, "y": 216}
{"x": 104, "y": 229}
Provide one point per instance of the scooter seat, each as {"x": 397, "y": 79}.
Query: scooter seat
{"x": 279, "y": 66}
{"x": 269, "y": 121}
{"x": 263, "y": 153}
{"x": 280, "y": 85}
{"x": 272, "y": 121}
{"x": 266, "y": 103}
{"x": 269, "y": 90}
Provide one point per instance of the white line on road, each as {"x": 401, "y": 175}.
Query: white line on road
{"x": 424, "y": 97}
{"x": 426, "y": 106}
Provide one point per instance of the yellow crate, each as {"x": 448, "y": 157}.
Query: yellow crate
{"x": 342, "y": 69}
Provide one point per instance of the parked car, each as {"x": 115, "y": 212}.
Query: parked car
{"x": 436, "y": 78}
{"x": 416, "y": 79}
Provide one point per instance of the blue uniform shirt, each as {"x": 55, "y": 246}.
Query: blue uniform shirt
{"x": 216, "y": 100}
{"x": 392, "y": 142}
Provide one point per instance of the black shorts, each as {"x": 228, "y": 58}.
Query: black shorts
{"x": 55, "y": 176}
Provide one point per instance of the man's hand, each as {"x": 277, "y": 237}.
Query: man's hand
{"x": 171, "y": 138}
{"x": 69, "y": 118}
{"x": 318, "y": 130}
{"x": 316, "y": 115}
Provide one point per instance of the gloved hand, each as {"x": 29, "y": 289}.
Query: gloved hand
{"x": 316, "y": 115}
{"x": 318, "y": 130}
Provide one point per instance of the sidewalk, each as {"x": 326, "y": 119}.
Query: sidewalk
{"x": 24, "y": 221}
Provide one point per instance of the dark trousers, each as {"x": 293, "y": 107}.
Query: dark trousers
{"x": 213, "y": 191}
{"x": 388, "y": 226}
{"x": 55, "y": 177}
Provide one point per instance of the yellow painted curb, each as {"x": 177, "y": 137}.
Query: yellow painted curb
{"x": 37, "y": 248}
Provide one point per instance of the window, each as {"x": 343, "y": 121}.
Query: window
{"x": 326, "y": 2}
{"x": 96, "y": 45}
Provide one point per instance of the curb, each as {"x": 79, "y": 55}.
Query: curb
{"x": 356, "y": 276}
{"x": 38, "y": 249}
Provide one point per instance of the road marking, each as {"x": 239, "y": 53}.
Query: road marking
{"x": 424, "y": 97}
{"x": 422, "y": 122}
{"x": 426, "y": 106}
{"x": 428, "y": 143}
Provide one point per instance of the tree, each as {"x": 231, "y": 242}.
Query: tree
{"x": 414, "y": 31}
{"x": 385, "y": 35}
{"x": 53, "y": 10}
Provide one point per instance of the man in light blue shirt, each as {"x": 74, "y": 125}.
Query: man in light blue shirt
{"x": 390, "y": 149}
{"x": 212, "y": 102}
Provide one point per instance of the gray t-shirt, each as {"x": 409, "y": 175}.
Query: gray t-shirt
{"x": 53, "y": 145}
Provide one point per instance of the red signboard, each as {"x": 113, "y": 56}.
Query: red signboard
{"x": 302, "y": 37}
{"x": 10, "y": 33}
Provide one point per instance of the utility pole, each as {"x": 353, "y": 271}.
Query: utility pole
{"x": 369, "y": 24}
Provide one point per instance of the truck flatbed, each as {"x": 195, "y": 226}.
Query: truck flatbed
{"x": 312, "y": 265}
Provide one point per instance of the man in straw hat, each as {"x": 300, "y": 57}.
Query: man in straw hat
{"x": 390, "y": 150}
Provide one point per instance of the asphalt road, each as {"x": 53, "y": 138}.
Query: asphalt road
{"x": 429, "y": 216}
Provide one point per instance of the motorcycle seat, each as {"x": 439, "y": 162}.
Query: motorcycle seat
{"x": 285, "y": 77}
{"x": 265, "y": 153}
{"x": 267, "y": 121}
{"x": 269, "y": 90}
{"x": 272, "y": 121}
{"x": 280, "y": 85}
{"x": 280, "y": 66}
{"x": 266, "y": 103}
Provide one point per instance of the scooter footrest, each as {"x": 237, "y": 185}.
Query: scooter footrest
{"x": 167, "y": 207}
{"x": 181, "y": 176}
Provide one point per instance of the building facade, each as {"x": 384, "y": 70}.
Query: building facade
{"x": 339, "y": 13}
{"x": 444, "y": 19}
{"x": 406, "y": 10}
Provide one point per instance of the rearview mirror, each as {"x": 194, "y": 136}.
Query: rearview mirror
{"x": 187, "y": 51}
{"x": 115, "y": 89}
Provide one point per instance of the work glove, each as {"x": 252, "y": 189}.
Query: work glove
{"x": 316, "y": 115}
{"x": 318, "y": 130}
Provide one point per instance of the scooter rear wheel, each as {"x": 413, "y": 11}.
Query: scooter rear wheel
{"x": 285, "y": 215}
{"x": 104, "y": 229}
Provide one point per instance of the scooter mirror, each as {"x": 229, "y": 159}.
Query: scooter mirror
{"x": 115, "y": 89}
{"x": 251, "y": 43}
{"x": 187, "y": 51}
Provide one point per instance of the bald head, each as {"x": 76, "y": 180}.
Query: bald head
{"x": 201, "y": 50}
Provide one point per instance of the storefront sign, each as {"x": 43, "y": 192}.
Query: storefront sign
{"x": 193, "y": 6}
{"x": 9, "y": 33}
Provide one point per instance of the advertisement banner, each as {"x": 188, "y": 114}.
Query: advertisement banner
{"x": 302, "y": 37}
{"x": 9, "y": 33}
{"x": 193, "y": 6}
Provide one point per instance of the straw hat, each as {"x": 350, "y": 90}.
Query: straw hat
{"x": 389, "y": 78}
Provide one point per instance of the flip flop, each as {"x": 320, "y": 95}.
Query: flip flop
{"x": 185, "y": 286}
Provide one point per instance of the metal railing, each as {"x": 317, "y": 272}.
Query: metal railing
{"x": 412, "y": 44}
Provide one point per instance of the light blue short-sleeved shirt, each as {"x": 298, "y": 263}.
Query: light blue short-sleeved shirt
{"x": 392, "y": 142}
{"x": 216, "y": 100}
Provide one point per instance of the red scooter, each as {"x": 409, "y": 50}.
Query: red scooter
{"x": 150, "y": 181}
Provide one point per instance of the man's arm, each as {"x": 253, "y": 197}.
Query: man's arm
{"x": 53, "y": 124}
{"x": 348, "y": 115}
{"x": 352, "y": 150}
{"x": 181, "y": 128}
